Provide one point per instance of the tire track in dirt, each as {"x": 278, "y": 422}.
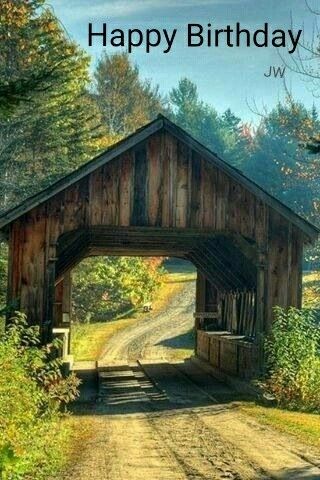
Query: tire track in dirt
{"x": 160, "y": 420}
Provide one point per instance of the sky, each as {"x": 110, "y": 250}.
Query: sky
{"x": 225, "y": 77}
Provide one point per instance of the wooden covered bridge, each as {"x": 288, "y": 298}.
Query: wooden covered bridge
{"x": 160, "y": 192}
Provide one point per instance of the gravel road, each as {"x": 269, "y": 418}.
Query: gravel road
{"x": 157, "y": 419}
{"x": 149, "y": 337}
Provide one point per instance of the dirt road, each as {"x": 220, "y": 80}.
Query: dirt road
{"x": 157, "y": 419}
{"x": 157, "y": 335}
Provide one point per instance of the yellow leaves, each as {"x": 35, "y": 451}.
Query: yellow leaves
{"x": 103, "y": 142}
{"x": 50, "y": 27}
{"x": 14, "y": 13}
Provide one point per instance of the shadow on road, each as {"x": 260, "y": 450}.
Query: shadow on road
{"x": 152, "y": 387}
{"x": 184, "y": 340}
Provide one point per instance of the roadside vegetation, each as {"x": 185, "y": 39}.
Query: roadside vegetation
{"x": 303, "y": 426}
{"x": 293, "y": 381}
{"x": 33, "y": 395}
{"x": 293, "y": 360}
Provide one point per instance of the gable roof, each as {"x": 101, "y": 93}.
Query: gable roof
{"x": 160, "y": 123}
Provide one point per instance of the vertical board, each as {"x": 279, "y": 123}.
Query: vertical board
{"x": 234, "y": 207}
{"x": 139, "y": 216}
{"x": 222, "y": 201}
{"x": 154, "y": 187}
{"x": 182, "y": 212}
{"x": 125, "y": 189}
{"x": 96, "y": 197}
{"x": 170, "y": 150}
{"x": 16, "y": 242}
{"x": 277, "y": 258}
{"x": 33, "y": 265}
{"x": 196, "y": 192}
{"x": 209, "y": 195}
{"x": 110, "y": 209}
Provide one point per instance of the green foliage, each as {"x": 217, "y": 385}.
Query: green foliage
{"x": 224, "y": 134}
{"x": 280, "y": 162}
{"x": 32, "y": 391}
{"x": 293, "y": 359}
{"x": 103, "y": 287}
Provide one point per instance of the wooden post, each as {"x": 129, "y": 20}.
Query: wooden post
{"x": 66, "y": 305}
{"x": 49, "y": 292}
{"x": 260, "y": 308}
{"x": 200, "y": 302}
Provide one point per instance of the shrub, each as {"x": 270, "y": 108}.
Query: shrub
{"x": 32, "y": 391}
{"x": 293, "y": 359}
{"x": 103, "y": 287}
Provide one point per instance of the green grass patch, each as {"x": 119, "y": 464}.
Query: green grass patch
{"x": 304, "y": 426}
{"x": 89, "y": 340}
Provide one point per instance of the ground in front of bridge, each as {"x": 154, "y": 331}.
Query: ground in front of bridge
{"x": 155, "y": 418}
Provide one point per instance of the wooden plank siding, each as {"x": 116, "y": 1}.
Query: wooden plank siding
{"x": 161, "y": 182}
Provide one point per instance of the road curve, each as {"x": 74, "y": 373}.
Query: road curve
{"x": 145, "y": 340}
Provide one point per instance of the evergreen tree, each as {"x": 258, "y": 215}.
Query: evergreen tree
{"x": 53, "y": 126}
{"x": 222, "y": 134}
{"x": 280, "y": 162}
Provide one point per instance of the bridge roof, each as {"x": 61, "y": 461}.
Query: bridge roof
{"x": 160, "y": 123}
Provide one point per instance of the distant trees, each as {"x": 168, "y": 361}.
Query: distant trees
{"x": 224, "y": 134}
{"x": 125, "y": 100}
{"x": 279, "y": 161}
{"x": 306, "y": 63}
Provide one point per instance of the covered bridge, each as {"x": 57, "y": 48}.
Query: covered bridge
{"x": 160, "y": 192}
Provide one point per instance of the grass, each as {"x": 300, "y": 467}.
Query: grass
{"x": 88, "y": 340}
{"x": 311, "y": 289}
{"x": 303, "y": 426}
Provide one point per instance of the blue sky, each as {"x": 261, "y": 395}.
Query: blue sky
{"x": 226, "y": 77}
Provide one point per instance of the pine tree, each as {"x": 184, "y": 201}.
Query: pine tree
{"x": 50, "y": 124}
{"x": 221, "y": 133}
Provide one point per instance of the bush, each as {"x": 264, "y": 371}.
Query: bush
{"x": 32, "y": 391}
{"x": 103, "y": 287}
{"x": 293, "y": 359}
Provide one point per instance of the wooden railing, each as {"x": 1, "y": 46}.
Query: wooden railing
{"x": 238, "y": 313}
